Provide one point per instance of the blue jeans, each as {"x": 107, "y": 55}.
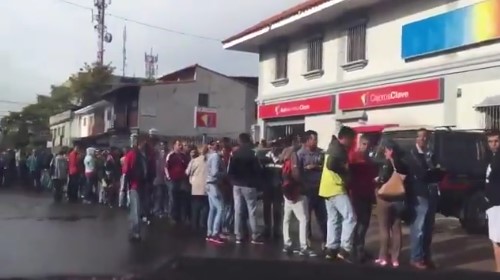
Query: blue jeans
{"x": 160, "y": 197}
{"x": 249, "y": 197}
{"x": 135, "y": 213}
{"x": 214, "y": 220}
{"x": 423, "y": 225}
{"x": 341, "y": 222}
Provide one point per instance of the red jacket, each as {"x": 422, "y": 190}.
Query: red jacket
{"x": 73, "y": 163}
{"x": 134, "y": 169}
{"x": 176, "y": 165}
{"x": 363, "y": 173}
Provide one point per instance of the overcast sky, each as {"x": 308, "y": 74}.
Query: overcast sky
{"x": 44, "y": 41}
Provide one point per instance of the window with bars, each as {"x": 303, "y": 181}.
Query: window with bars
{"x": 356, "y": 43}
{"x": 315, "y": 54}
{"x": 281, "y": 63}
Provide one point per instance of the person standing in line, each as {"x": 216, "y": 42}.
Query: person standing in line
{"x": 390, "y": 210}
{"x": 215, "y": 173}
{"x": 160, "y": 185}
{"x": 59, "y": 168}
{"x": 424, "y": 198}
{"x": 227, "y": 191}
{"x": 244, "y": 171}
{"x": 295, "y": 203}
{"x": 197, "y": 173}
{"x": 90, "y": 175}
{"x": 74, "y": 174}
{"x": 361, "y": 190}
{"x": 175, "y": 173}
{"x": 135, "y": 169}
{"x": 341, "y": 217}
{"x": 492, "y": 192}
{"x": 123, "y": 198}
{"x": 34, "y": 167}
{"x": 310, "y": 162}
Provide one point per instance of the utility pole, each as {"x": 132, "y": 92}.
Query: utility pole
{"x": 151, "y": 62}
{"x": 100, "y": 27}
{"x": 124, "y": 51}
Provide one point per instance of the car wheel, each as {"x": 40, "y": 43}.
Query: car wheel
{"x": 473, "y": 218}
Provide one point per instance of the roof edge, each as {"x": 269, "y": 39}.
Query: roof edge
{"x": 290, "y": 15}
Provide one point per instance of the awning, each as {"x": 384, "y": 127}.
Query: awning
{"x": 489, "y": 102}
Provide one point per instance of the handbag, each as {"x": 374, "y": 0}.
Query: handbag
{"x": 394, "y": 187}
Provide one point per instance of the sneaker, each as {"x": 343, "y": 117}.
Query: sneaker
{"x": 330, "y": 254}
{"x": 238, "y": 240}
{"x": 257, "y": 241}
{"x": 288, "y": 250}
{"x": 216, "y": 240}
{"x": 208, "y": 238}
{"x": 344, "y": 255}
{"x": 307, "y": 252}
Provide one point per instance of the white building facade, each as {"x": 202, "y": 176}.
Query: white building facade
{"x": 226, "y": 105}
{"x": 60, "y": 128}
{"x": 376, "y": 62}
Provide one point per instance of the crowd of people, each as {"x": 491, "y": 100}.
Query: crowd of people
{"x": 215, "y": 188}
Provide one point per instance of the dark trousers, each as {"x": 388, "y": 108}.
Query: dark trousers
{"x": 199, "y": 211}
{"x": 273, "y": 208}
{"x": 179, "y": 200}
{"x": 35, "y": 179}
{"x": 316, "y": 204}
{"x": 363, "y": 209}
{"x": 73, "y": 186}
{"x": 185, "y": 205}
{"x": 58, "y": 184}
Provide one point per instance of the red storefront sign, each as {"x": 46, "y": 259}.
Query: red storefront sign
{"x": 403, "y": 94}
{"x": 205, "y": 117}
{"x": 311, "y": 106}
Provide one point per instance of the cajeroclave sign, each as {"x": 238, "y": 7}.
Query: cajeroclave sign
{"x": 310, "y": 106}
{"x": 394, "y": 95}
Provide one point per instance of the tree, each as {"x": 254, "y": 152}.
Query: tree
{"x": 91, "y": 82}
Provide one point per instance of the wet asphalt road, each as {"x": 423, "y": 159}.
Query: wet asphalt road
{"x": 39, "y": 238}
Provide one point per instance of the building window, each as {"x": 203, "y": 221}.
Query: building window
{"x": 84, "y": 121}
{"x": 281, "y": 63}
{"x": 203, "y": 100}
{"x": 315, "y": 54}
{"x": 356, "y": 43}
{"x": 108, "y": 114}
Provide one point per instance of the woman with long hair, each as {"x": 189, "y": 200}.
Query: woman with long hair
{"x": 390, "y": 210}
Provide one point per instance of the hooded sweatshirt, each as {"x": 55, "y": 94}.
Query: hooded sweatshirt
{"x": 90, "y": 162}
{"x": 60, "y": 167}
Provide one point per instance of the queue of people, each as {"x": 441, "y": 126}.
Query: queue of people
{"x": 215, "y": 188}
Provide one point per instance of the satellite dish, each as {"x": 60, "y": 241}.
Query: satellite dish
{"x": 108, "y": 37}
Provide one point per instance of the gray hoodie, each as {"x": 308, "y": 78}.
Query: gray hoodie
{"x": 60, "y": 167}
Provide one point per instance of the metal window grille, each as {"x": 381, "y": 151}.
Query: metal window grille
{"x": 356, "y": 43}
{"x": 491, "y": 117}
{"x": 315, "y": 54}
{"x": 281, "y": 63}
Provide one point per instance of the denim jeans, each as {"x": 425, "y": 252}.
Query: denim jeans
{"x": 249, "y": 197}
{"x": 423, "y": 225}
{"x": 214, "y": 220}
{"x": 135, "y": 213}
{"x": 123, "y": 196}
{"x": 341, "y": 222}
{"x": 298, "y": 208}
{"x": 160, "y": 196}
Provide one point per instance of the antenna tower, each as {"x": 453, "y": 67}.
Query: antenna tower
{"x": 102, "y": 35}
{"x": 124, "y": 61}
{"x": 151, "y": 62}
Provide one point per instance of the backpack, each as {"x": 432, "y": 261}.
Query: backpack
{"x": 290, "y": 187}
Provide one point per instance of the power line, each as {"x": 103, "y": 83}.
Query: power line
{"x": 145, "y": 24}
{"x": 14, "y": 102}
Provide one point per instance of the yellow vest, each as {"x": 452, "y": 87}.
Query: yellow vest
{"x": 331, "y": 183}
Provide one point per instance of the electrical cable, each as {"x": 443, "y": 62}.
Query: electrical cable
{"x": 145, "y": 24}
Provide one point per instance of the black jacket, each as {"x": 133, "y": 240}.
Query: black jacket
{"x": 421, "y": 166}
{"x": 492, "y": 189}
{"x": 244, "y": 168}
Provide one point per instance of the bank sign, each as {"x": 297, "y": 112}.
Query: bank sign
{"x": 310, "y": 106}
{"x": 394, "y": 95}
